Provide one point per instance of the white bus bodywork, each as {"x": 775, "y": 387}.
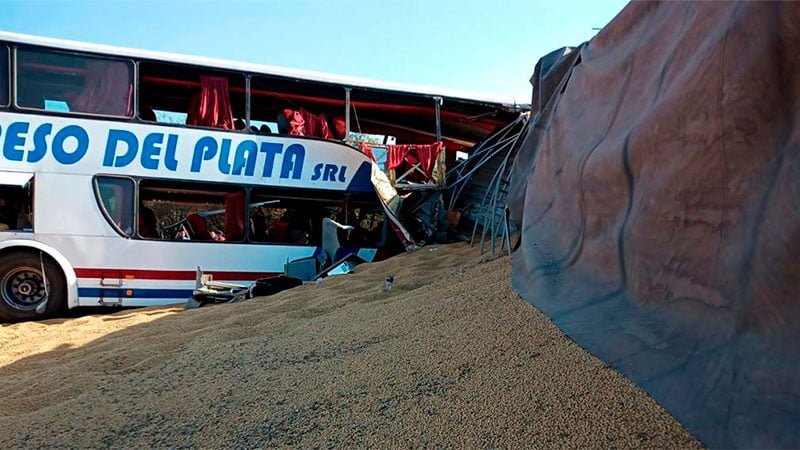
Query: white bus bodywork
{"x": 100, "y": 266}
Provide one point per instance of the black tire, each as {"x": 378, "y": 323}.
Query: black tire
{"x": 22, "y": 287}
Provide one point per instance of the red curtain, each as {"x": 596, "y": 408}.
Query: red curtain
{"x": 396, "y": 155}
{"x": 234, "y": 216}
{"x": 367, "y": 150}
{"x": 212, "y": 106}
{"x": 425, "y": 155}
{"x": 107, "y": 89}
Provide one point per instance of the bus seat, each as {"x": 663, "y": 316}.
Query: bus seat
{"x": 148, "y": 224}
{"x": 198, "y": 228}
{"x": 330, "y": 238}
{"x": 278, "y": 231}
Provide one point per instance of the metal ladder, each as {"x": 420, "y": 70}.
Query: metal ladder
{"x": 494, "y": 216}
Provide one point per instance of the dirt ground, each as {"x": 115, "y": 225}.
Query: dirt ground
{"x": 450, "y": 357}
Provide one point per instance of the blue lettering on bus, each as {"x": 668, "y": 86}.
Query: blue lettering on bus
{"x": 245, "y": 158}
{"x": 40, "y": 142}
{"x": 70, "y": 144}
{"x": 15, "y": 139}
{"x": 81, "y": 139}
{"x": 111, "y": 158}
{"x": 169, "y": 159}
{"x": 293, "y": 161}
{"x": 317, "y": 173}
{"x": 151, "y": 149}
{"x": 223, "y": 162}
{"x": 204, "y": 150}
{"x": 271, "y": 149}
{"x": 329, "y": 172}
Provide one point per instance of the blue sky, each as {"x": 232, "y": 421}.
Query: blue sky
{"x": 483, "y": 47}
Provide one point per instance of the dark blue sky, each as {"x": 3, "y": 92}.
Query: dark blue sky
{"x": 484, "y": 47}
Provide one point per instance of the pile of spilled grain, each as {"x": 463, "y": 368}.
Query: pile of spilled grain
{"x": 449, "y": 357}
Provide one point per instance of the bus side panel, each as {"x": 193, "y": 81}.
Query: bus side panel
{"x": 65, "y": 204}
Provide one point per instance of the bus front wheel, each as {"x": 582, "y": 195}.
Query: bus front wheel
{"x": 32, "y": 287}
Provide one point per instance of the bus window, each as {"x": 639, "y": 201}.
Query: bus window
{"x": 16, "y": 204}
{"x": 4, "y": 75}
{"x": 191, "y": 211}
{"x": 276, "y": 103}
{"x": 288, "y": 220}
{"x": 63, "y": 82}
{"x": 175, "y": 94}
{"x": 115, "y": 196}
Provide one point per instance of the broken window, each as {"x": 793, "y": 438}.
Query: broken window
{"x": 62, "y": 82}
{"x": 292, "y": 218}
{"x": 191, "y": 211}
{"x": 175, "y": 94}
{"x": 369, "y": 224}
{"x": 287, "y": 107}
{"x": 16, "y": 201}
{"x": 279, "y": 218}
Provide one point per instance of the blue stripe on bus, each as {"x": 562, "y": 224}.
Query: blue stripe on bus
{"x": 362, "y": 179}
{"x": 135, "y": 293}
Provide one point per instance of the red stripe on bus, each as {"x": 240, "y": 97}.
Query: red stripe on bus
{"x": 143, "y": 274}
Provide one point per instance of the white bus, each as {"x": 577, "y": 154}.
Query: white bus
{"x": 122, "y": 171}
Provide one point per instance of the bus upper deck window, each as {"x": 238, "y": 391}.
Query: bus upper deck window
{"x": 115, "y": 195}
{"x": 70, "y": 83}
{"x": 4, "y": 67}
{"x": 185, "y": 95}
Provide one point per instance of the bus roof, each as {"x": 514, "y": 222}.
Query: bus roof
{"x": 299, "y": 74}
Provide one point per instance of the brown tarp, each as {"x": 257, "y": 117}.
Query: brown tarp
{"x": 659, "y": 200}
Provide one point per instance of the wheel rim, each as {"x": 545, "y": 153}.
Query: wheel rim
{"x": 23, "y": 288}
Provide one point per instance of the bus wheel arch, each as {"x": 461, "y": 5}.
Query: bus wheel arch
{"x": 24, "y": 267}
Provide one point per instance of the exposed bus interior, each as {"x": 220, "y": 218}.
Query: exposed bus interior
{"x": 182, "y": 94}
{"x": 211, "y": 212}
{"x": 179, "y": 95}
{"x": 16, "y": 202}
{"x": 399, "y": 123}
{"x": 295, "y": 217}
{"x": 190, "y": 211}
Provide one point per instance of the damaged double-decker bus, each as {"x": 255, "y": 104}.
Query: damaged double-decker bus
{"x": 123, "y": 171}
